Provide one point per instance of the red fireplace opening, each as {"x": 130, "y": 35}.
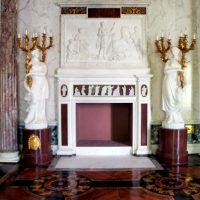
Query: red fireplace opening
{"x": 103, "y": 124}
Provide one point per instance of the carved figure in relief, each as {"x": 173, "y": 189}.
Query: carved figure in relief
{"x": 104, "y": 90}
{"x": 131, "y": 91}
{"x": 90, "y": 90}
{"x": 124, "y": 90}
{"x": 77, "y": 47}
{"x": 37, "y": 94}
{"x": 102, "y": 41}
{"x": 77, "y": 92}
{"x": 97, "y": 90}
{"x": 83, "y": 90}
{"x": 144, "y": 90}
{"x": 171, "y": 92}
{"x": 136, "y": 41}
{"x": 116, "y": 91}
{"x": 121, "y": 48}
{"x": 63, "y": 90}
{"x": 109, "y": 90}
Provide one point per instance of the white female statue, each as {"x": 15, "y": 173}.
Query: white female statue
{"x": 37, "y": 94}
{"x": 172, "y": 92}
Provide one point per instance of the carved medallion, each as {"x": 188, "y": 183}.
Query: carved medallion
{"x": 144, "y": 90}
{"x": 34, "y": 142}
{"x": 63, "y": 90}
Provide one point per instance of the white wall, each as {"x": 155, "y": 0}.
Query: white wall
{"x": 168, "y": 16}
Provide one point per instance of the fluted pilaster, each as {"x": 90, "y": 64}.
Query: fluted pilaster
{"x": 8, "y": 82}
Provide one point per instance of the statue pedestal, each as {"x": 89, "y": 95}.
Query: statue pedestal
{"x": 37, "y": 146}
{"x": 172, "y": 146}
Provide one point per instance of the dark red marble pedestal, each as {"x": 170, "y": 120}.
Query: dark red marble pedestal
{"x": 37, "y": 146}
{"x": 172, "y": 146}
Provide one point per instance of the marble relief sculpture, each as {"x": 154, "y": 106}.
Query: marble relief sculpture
{"x": 77, "y": 92}
{"x": 108, "y": 41}
{"x": 36, "y": 94}
{"x": 131, "y": 92}
{"x": 76, "y": 47}
{"x": 107, "y": 90}
{"x": 172, "y": 92}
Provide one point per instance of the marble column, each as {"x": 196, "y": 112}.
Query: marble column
{"x": 8, "y": 83}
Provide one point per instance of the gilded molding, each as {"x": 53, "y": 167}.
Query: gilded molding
{"x": 34, "y": 142}
{"x": 134, "y": 10}
{"x": 74, "y": 10}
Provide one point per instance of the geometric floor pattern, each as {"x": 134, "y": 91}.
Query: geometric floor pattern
{"x": 170, "y": 184}
{"x": 38, "y": 183}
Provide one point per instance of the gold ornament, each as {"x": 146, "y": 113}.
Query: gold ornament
{"x": 34, "y": 142}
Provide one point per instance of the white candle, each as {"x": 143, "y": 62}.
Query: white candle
{"x": 157, "y": 37}
{"x": 162, "y": 35}
{"x": 26, "y": 32}
{"x": 194, "y": 36}
{"x": 50, "y": 34}
{"x": 33, "y": 35}
{"x": 181, "y": 34}
{"x": 19, "y": 36}
{"x": 36, "y": 34}
{"x": 44, "y": 31}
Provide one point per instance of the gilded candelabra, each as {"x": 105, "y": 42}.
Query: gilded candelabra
{"x": 163, "y": 47}
{"x": 35, "y": 44}
{"x": 43, "y": 46}
{"x": 27, "y": 49}
{"x": 183, "y": 46}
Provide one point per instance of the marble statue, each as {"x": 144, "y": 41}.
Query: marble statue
{"x": 36, "y": 94}
{"x": 172, "y": 92}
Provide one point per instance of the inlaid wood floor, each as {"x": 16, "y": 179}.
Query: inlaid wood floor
{"x": 23, "y": 182}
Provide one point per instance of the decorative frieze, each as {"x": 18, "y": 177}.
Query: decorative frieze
{"x": 134, "y": 10}
{"x": 103, "y": 90}
{"x": 73, "y": 10}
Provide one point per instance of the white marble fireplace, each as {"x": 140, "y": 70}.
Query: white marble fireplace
{"x": 103, "y": 82}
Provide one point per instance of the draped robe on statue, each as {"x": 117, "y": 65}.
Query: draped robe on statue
{"x": 172, "y": 95}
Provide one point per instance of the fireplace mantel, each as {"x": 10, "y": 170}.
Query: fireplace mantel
{"x": 103, "y": 69}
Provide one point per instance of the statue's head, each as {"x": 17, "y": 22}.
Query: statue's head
{"x": 175, "y": 53}
{"x": 35, "y": 53}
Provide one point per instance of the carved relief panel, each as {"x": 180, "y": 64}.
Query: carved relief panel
{"x": 110, "y": 43}
{"x": 103, "y": 90}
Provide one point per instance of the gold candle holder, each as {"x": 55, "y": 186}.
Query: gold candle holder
{"x": 43, "y": 46}
{"x": 27, "y": 49}
{"x": 183, "y": 46}
{"x": 162, "y": 46}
